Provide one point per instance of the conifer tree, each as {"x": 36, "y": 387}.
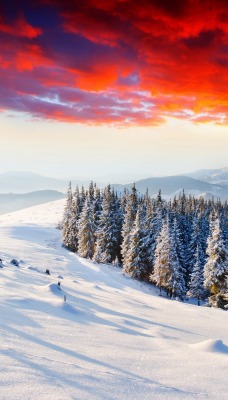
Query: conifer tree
{"x": 131, "y": 204}
{"x": 176, "y": 233}
{"x": 196, "y": 245}
{"x": 150, "y": 235}
{"x": 168, "y": 272}
{"x": 177, "y": 281}
{"x": 107, "y": 234}
{"x": 184, "y": 225}
{"x": 75, "y": 214}
{"x": 161, "y": 273}
{"x": 67, "y": 219}
{"x": 196, "y": 288}
{"x": 216, "y": 267}
{"x": 135, "y": 262}
{"x": 86, "y": 231}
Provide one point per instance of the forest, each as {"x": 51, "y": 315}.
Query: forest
{"x": 180, "y": 245}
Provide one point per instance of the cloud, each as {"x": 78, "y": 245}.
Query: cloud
{"x": 19, "y": 28}
{"x": 120, "y": 62}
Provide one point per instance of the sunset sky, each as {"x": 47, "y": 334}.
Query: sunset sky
{"x": 98, "y": 87}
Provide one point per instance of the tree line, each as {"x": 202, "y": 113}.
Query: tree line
{"x": 180, "y": 245}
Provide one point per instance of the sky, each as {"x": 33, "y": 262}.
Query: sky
{"x": 120, "y": 88}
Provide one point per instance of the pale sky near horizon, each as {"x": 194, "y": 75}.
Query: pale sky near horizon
{"x": 73, "y": 150}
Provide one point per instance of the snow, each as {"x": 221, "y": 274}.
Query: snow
{"x": 113, "y": 337}
{"x": 211, "y": 345}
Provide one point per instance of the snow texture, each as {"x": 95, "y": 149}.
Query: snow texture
{"x": 101, "y": 334}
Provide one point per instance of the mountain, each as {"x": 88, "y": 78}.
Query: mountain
{"x": 23, "y": 181}
{"x": 173, "y": 185}
{"x": 13, "y": 202}
{"x": 112, "y": 338}
{"x": 207, "y": 186}
{"x": 215, "y": 176}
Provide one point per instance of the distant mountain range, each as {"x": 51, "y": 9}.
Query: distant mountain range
{"x": 171, "y": 186}
{"x": 13, "y": 202}
{"x": 216, "y": 176}
{"x": 24, "y": 189}
{"x": 23, "y": 182}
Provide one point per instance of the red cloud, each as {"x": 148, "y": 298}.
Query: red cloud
{"x": 20, "y": 28}
{"x": 121, "y": 62}
{"x": 30, "y": 57}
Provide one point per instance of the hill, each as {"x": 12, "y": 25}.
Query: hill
{"x": 171, "y": 186}
{"x": 204, "y": 183}
{"x": 24, "y": 181}
{"x": 113, "y": 337}
{"x": 13, "y": 202}
{"x": 215, "y": 176}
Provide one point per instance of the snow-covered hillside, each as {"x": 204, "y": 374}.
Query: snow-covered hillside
{"x": 113, "y": 337}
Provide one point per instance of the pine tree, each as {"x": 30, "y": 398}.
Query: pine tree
{"x": 135, "y": 262}
{"x": 168, "y": 273}
{"x": 216, "y": 267}
{"x": 131, "y": 203}
{"x": 108, "y": 232}
{"x": 67, "y": 219}
{"x": 196, "y": 288}
{"x": 150, "y": 232}
{"x": 73, "y": 223}
{"x": 177, "y": 281}
{"x": 86, "y": 231}
{"x": 161, "y": 273}
{"x": 176, "y": 232}
{"x": 184, "y": 224}
{"x": 196, "y": 245}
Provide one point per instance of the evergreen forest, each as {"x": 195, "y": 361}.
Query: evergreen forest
{"x": 180, "y": 245}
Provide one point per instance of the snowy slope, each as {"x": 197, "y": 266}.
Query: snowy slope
{"x": 113, "y": 338}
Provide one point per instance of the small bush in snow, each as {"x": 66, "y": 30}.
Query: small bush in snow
{"x": 14, "y": 262}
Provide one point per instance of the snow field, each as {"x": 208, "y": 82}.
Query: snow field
{"x": 113, "y": 337}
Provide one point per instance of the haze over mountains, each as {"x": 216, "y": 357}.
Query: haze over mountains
{"x": 13, "y": 202}
{"x": 211, "y": 175}
{"x": 21, "y": 189}
{"x": 171, "y": 186}
{"x": 24, "y": 181}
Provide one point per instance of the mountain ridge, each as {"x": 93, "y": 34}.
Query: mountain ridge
{"x": 24, "y": 181}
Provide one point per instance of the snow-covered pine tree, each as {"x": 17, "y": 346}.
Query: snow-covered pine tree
{"x": 73, "y": 228}
{"x": 177, "y": 281}
{"x": 196, "y": 288}
{"x": 135, "y": 261}
{"x": 168, "y": 272}
{"x": 86, "y": 231}
{"x": 197, "y": 242}
{"x": 156, "y": 221}
{"x": 150, "y": 235}
{"x": 108, "y": 233}
{"x": 224, "y": 222}
{"x": 131, "y": 204}
{"x": 216, "y": 267}
{"x": 176, "y": 233}
{"x": 184, "y": 225}
{"x": 67, "y": 219}
{"x": 82, "y": 198}
{"x": 161, "y": 273}
{"x": 97, "y": 205}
